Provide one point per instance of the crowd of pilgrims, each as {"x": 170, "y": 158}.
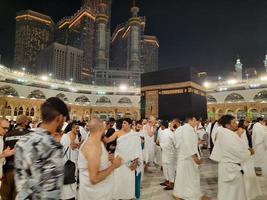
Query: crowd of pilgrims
{"x": 103, "y": 160}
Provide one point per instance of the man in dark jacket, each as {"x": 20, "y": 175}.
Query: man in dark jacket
{"x": 110, "y": 131}
{"x": 8, "y": 190}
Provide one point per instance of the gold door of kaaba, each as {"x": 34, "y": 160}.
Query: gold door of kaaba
{"x": 152, "y": 101}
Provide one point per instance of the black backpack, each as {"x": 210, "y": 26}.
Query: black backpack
{"x": 69, "y": 170}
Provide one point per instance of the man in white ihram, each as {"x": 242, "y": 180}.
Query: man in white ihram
{"x": 166, "y": 142}
{"x": 150, "y": 130}
{"x": 96, "y": 180}
{"x": 230, "y": 152}
{"x": 187, "y": 182}
{"x": 129, "y": 148}
{"x": 259, "y": 142}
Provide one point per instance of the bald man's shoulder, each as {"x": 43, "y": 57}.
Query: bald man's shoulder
{"x": 91, "y": 149}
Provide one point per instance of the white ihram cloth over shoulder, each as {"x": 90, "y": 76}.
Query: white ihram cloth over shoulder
{"x": 259, "y": 134}
{"x": 83, "y": 133}
{"x": 214, "y": 132}
{"x": 264, "y": 167}
{"x": 158, "y": 154}
{"x": 252, "y": 185}
{"x": 167, "y": 144}
{"x": 145, "y": 150}
{"x": 178, "y": 137}
{"x": 201, "y": 132}
{"x": 101, "y": 190}
{"x": 187, "y": 182}
{"x": 141, "y": 133}
{"x": 177, "y": 142}
{"x": 230, "y": 151}
{"x": 216, "y": 153}
{"x": 129, "y": 148}
{"x": 150, "y": 143}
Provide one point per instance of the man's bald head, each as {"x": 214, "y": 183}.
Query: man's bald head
{"x": 95, "y": 125}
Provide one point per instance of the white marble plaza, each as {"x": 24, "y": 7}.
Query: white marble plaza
{"x": 151, "y": 190}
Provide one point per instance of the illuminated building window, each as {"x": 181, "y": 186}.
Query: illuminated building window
{"x": 16, "y": 111}
{"x": 32, "y": 112}
{"x": 20, "y": 111}
{"x": 27, "y": 112}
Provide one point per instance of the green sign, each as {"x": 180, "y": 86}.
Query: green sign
{"x": 211, "y": 114}
{"x": 250, "y": 115}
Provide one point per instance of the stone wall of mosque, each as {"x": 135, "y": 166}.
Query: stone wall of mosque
{"x": 11, "y": 107}
{"x": 251, "y": 103}
{"x": 240, "y": 110}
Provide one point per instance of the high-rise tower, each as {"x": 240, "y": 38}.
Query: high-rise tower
{"x": 239, "y": 69}
{"x": 101, "y": 43}
{"x": 265, "y": 62}
{"x": 34, "y": 32}
{"x": 94, "y": 5}
{"x": 135, "y": 39}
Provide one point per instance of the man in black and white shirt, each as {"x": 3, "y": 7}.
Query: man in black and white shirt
{"x": 39, "y": 158}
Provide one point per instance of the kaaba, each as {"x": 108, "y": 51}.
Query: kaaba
{"x": 173, "y": 93}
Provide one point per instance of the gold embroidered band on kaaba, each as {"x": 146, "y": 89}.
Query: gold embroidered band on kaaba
{"x": 175, "y": 88}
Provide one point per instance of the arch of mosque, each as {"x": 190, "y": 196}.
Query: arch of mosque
{"x": 19, "y": 99}
{"x": 103, "y": 95}
{"x": 247, "y": 95}
{"x": 250, "y": 103}
{"x": 11, "y": 107}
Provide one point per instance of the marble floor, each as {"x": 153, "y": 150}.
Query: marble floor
{"x": 151, "y": 190}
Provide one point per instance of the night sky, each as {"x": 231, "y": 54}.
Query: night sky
{"x": 205, "y": 34}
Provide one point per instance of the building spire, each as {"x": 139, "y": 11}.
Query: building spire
{"x": 102, "y": 7}
{"x": 134, "y": 9}
{"x": 239, "y": 68}
{"x": 238, "y": 63}
{"x": 265, "y": 61}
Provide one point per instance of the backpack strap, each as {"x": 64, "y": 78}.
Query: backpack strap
{"x": 65, "y": 153}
